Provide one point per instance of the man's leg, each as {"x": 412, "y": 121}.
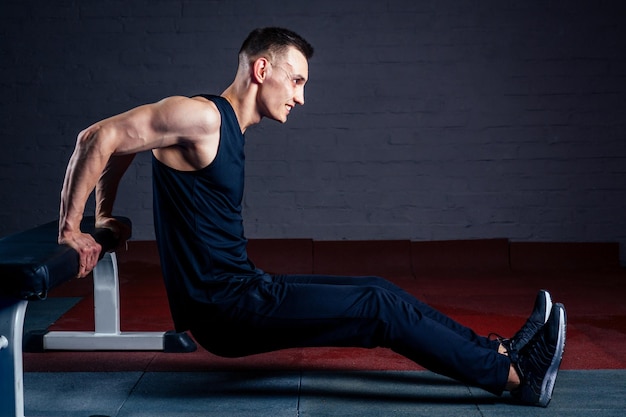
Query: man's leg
{"x": 283, "y": 312}
{"x": 424, "y": 308}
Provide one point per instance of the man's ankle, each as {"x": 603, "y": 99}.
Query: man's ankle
{"x": 514, "y": 380}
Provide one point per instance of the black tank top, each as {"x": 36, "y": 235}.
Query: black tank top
{"x": 198, "y": 223}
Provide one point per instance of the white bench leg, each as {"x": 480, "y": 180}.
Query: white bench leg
{"x": 11, "y": 370}
{"x": 106, "y": 294}
{"x": 107, "y": 334}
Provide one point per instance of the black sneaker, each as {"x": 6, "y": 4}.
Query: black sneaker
{"x": 536, "y": 320}
{"x": 539, "y": 361}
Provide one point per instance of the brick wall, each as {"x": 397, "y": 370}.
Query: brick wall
{"x": 424, "y": 120}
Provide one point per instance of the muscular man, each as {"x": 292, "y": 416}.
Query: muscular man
{"x": 231, "y": 307}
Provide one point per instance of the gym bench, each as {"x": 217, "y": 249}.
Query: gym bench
{"x": 32, "y": 264}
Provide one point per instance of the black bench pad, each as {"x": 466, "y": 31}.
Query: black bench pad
{"x": 32, "y": 262}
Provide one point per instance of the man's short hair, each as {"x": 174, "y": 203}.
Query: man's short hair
{"x": 273, "y": 40}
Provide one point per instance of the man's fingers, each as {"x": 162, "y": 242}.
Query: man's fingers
{"x": 87, "y": 248}
{"x": 89, "y": 253}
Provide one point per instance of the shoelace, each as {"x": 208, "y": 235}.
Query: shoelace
{"x": 506, "y": 343}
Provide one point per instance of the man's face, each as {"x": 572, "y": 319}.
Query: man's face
{"x": 283, "y": 87}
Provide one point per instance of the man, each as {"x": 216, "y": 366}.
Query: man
{"x": 215, "y": 291}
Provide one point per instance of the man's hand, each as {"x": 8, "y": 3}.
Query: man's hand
{"x": 120, "y": 230}
{"x": 86, "y": 246}
{"x": 88, "y": 250}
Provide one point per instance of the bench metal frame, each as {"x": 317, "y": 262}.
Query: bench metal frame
{"x": 12, "y": 313}
{"x": 106, "y": 336}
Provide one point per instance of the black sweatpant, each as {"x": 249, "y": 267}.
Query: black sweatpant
{"x": 272, "y": 312}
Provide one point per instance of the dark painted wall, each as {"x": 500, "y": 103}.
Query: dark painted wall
{"x": 425, "y": 120}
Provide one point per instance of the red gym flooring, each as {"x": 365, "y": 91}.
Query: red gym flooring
{"x": 489, "y": 285}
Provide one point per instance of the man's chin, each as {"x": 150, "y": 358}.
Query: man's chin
{"x": 281, "y": 121}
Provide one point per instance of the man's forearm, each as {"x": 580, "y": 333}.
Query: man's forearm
{"x": 85, "y": 167}
{"x": 106, "y": 189}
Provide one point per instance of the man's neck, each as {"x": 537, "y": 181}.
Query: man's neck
{"x": 243, "y": 102}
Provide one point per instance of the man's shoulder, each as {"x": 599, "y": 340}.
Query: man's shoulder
{"x": 209, "y": 99}
{"x": 191, "y": 111}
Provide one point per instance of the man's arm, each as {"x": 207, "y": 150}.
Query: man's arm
{"x": 106, "y": 192}
{"x": 83, "y": 170}
{"x": 104, "y": 150}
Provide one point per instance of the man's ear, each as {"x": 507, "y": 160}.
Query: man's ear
{"x": 259, "y": 69}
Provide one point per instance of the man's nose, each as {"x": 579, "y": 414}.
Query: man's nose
{"x": 299, "y": 97}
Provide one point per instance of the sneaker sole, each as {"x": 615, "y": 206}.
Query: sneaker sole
{"x": 547, "y": 387}
{"x": 548, "y": 300}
